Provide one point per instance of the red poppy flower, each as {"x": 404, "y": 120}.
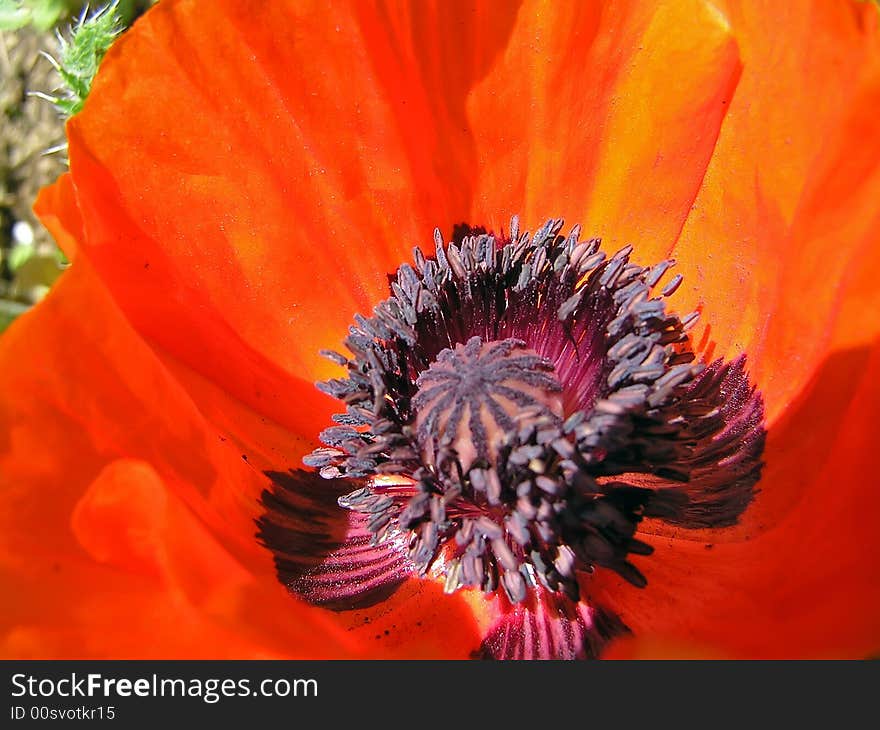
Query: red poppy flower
{"x": 524, "y": 420}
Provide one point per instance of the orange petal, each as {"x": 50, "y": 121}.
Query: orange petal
{"x": 789, "y": 199}
{"x": 419, "y": 621}
{"x": 808, "y": 585}
{"x": 83, "y": 388}
{"x": 631, "y": 647}
{"x": 302, "y": 167}
{"x": 57, "y": 209}
{"x": 81, "y": 392}
{"x": 128, "y": 518}
{"x": 606, "y": 115}
{"x": 792, "y": 192}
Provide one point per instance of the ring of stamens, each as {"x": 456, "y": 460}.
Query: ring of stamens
{"x": 496, "y": 403}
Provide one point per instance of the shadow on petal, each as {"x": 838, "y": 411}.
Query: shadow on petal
{"x": 322, "y": 552}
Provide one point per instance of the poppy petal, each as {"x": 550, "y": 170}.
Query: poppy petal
{"x": 581, "y": 118}
{"x": 88, "y": 503}
{"x": 126, "y": 518}
{"x": 789, "y": 198}
{"x": 278, "y": 205}
{"x": 133, "y": 562}
{"x": 57, "y": 209}
{"x": 296, "y": 408}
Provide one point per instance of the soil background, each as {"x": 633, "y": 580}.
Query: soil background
{"x": 29, "y": 127}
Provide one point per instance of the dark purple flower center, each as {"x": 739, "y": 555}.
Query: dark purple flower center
{"x": 521, "y": 403}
